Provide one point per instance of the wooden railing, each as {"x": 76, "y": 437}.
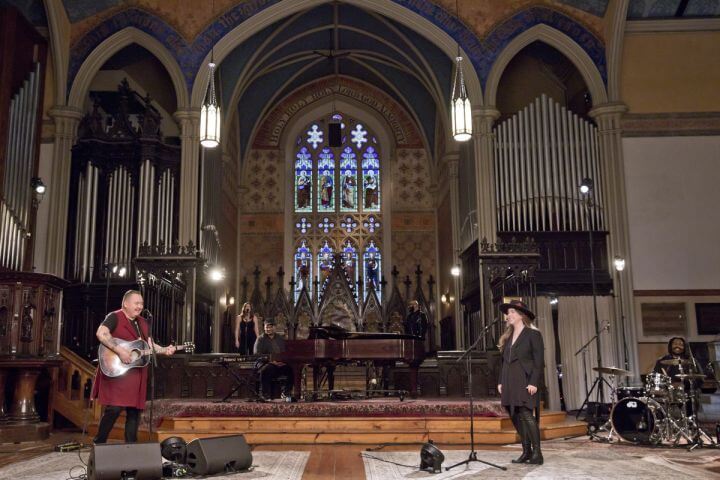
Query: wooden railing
{"x": 72, "y": 390}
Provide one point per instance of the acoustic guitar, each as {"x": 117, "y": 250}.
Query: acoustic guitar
{"x": 112, "y": 366}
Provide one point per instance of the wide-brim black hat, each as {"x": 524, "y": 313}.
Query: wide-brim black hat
{"x": 519, "y": 306}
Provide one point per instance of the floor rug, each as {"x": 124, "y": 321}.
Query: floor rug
{"x": 61, "y": 466}
{"x": 562, "y": 461}
{"x": 379, "y": 407}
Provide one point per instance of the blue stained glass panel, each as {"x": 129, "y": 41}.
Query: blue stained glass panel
{"x": 303, "y": 269}
{"x": 371, "y": 180}
{"x": 372, "y": 268}
{"x": 348, "y": 180}
{"x": 326, "y": 181}
{"x": 303, "y": 181}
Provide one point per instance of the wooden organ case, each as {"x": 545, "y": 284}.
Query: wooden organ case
{"x": 124, "y": 194}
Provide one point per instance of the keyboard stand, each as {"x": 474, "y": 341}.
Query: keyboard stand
{"x": 239, "y": 383}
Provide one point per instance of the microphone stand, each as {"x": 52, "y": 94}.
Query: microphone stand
{"x": 153, "y": 364}
{"x": 599, "y": 380}
{"x": 468, "y": 362}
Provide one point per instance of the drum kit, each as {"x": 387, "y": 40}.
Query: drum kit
{"x": 662, "y": 411}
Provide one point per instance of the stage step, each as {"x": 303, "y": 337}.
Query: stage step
{"x": 365, "y": 430}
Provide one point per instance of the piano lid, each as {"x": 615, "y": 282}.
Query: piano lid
{"x": 333, "y": 332}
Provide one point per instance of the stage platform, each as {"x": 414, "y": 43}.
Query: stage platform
{"x": 371, "y": 421}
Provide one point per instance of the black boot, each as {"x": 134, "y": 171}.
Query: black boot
{"x": 524, "y": 439}
{"x": 533, "y": 432}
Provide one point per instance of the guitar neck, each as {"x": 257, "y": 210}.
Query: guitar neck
{"x": 148, "y": 351}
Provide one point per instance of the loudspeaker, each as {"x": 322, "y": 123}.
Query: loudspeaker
{"x": 334, "y": 135}
{"x": 139, "y": 461}
{"x": 208, "y": 456}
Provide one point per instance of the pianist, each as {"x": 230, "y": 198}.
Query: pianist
{"x": 272, "y": 344}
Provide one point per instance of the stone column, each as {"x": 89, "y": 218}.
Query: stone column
{"x": 608, "y": 118}
{"x": 483, "y": 136}
{"x": 189, "y": 187}
{"x": 189, "y": 174}
{"x": 66, "y": 121}
{"x": 452, "y": 161}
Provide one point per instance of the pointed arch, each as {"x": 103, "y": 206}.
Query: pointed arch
{"x": 113, "y": 44}
{"x": 421, "y": 16}
{"x": 556, "y": 39}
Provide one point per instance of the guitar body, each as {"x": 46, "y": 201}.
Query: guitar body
{"x": 112, "y": 366}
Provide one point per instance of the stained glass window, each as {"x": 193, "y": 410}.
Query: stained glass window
{"x": 325, "y": 264}
{"x": 348, "y": 180}
{"x": 349, "y": 258}
{"x": 326, "y": 181}
{"x": 315, "y": 136}
{"x": 372, "y": 268}
{"x": 303, "y": 181}
{"x": 303, "y": 269}
{"x": 371, "y": 180}
{"x": 349, "y": 217}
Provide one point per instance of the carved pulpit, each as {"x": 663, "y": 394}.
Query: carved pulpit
{"x": 29, "y": 345}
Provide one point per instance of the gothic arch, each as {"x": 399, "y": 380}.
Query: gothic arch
{"x": 276, "y": 121}
{"x": 376, "y": 123}
{"x": 414, "y": 18}
{"x": 109, "y": 47}
{"x": 558, "y": 40}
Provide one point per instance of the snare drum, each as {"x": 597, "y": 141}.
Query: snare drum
{"x": 635, "y": 391}
{"x": 657, "y": 385}
{"x": 638, "y": 420}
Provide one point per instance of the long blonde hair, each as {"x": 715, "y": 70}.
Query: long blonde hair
{"x": 509, "y": 330}
{"x": 251, "y": 314}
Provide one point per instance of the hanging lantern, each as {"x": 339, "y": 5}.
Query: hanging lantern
{"x": 210, "y": 114}
{"x": 460, "y": 107}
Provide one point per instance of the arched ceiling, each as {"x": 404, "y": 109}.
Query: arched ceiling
{"x": 333, "y": 40}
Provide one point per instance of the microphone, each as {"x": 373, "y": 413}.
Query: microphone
{"x": 147, "y": 315}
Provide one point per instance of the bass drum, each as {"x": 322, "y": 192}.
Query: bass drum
{"x": 638, "y": 420}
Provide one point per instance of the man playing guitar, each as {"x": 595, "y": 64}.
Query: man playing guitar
{"x": 129, "y": 390}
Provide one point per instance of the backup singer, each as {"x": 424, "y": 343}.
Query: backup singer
{"x": 247, "y": 329}
{"x": 129, "y": 390}
{"x": 522, "y": 369}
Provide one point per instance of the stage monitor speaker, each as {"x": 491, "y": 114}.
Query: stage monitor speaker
{"x": 334, "y": 135}
{"x": 139, "y": 461}
{"x": 208, "y": 456}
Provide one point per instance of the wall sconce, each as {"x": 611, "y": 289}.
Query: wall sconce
{"x": 619, "y": 264}
{"x": 455, "y": 271}
{"x": 553, "y": 300}
{"x": 215, "y": 274}
{"x": 447, "y": 297}
{"x": 38, "y": 185}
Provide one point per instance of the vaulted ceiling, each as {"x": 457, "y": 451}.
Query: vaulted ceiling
{"x": 337, "y": 40}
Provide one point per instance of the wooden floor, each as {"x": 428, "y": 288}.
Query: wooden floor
{"x": 325, "y": 462}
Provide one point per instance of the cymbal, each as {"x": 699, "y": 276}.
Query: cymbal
{"x": 689, "y": 376}
{"x": 612, "y": 371}
{"x": 675, "y": 361}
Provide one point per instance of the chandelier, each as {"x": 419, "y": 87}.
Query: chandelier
{"x": 210, "y": 113}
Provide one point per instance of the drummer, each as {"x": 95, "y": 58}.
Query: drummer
{"x": 678, "y": 361}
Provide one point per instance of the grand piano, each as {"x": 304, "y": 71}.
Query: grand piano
{"x": 330, "y": 345}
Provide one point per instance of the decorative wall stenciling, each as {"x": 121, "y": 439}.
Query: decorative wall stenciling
{"x": 263, "y": 180}
{"x": 411, "y": 181}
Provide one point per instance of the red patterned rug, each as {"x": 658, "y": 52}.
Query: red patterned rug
{"x": 350, "y": 408}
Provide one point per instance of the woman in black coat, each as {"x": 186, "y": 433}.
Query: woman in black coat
{"x": 522, "y": 372}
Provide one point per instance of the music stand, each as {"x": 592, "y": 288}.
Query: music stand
{"x": 472, "y": 457}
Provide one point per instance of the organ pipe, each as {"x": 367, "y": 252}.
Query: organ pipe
{"x": 541, "y": 154}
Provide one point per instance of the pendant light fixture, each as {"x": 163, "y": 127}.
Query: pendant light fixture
{"x": 210, "y": 112}
{"x": 460, "y": 108}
